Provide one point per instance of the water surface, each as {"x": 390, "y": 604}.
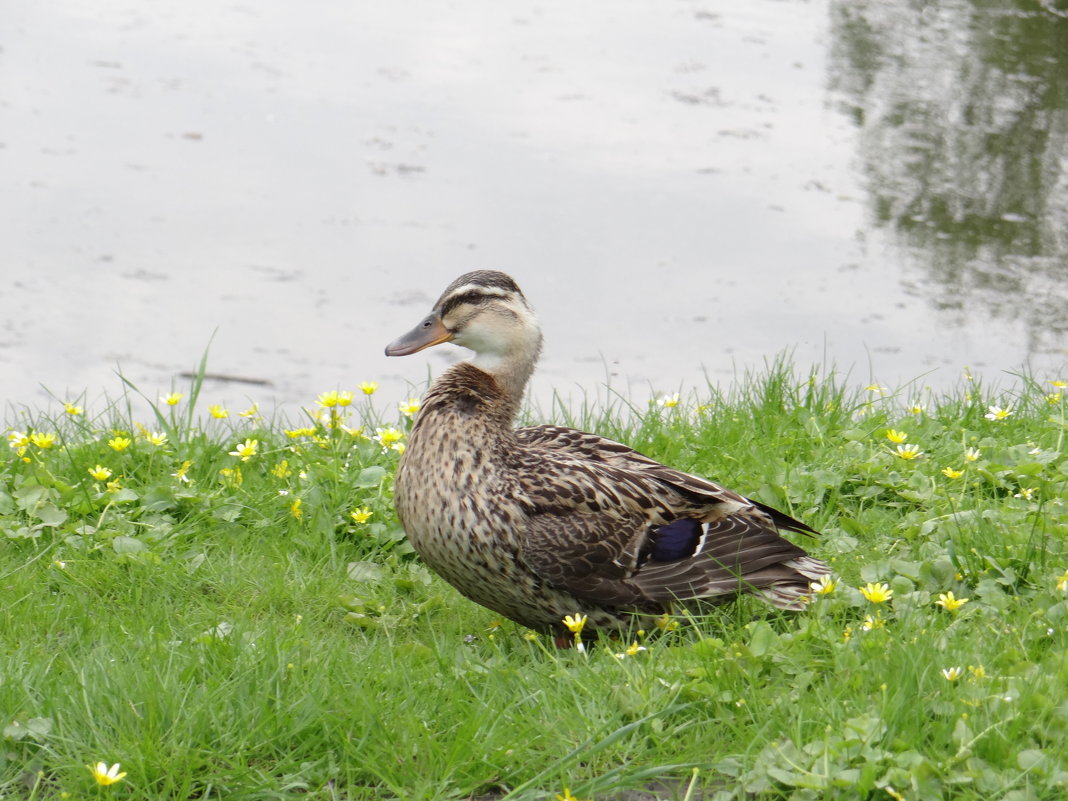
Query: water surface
{"x": 683, "y": 189}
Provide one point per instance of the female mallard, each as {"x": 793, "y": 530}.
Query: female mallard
{"x": 542, "y": 522}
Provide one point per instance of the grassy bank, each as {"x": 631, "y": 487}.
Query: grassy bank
{"x": 226, "y": 606}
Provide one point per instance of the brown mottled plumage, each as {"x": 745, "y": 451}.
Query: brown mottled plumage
{"x": 542, "y": 522}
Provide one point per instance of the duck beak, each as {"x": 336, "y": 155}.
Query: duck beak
{"x": 429, "y": 332}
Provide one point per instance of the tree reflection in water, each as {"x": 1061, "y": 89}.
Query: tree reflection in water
{"x": 963, "y": 113}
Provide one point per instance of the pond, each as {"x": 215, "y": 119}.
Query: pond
{"x": 683, "y": 189}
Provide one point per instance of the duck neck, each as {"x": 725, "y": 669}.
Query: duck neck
{"x": 511, "y": 370}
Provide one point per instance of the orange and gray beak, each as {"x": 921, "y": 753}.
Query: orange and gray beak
{"x": 429, "y": 332}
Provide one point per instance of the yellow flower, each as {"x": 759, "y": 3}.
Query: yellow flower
{"x": 909, "y": 452}
{"x": 172, "y": 399}
{"x": 232, "y": 476}
{"x": 251, "y": 411}
{"x": 997, "y": 413}
{"x": 950, "y": 603}
{"x": 368, "y": 387}
{"x": 157, "y": 438}
{"x": 344, "y": 398}
{"x": 73, "y": 410}
{"x": 100, "y": 473}
{"x": 387, "y": 437}
{"x": 575, "y": 623}
{"x": 327, "y": 399}
{"x": 666, "y": 623}
{"x": 668, "y": 401}
{"x": 877, "y": 593}
{"x": 295, "y": 509}
{"x": 296, "y": 433}
{"x": 949, "y": 472}
{"x": 897, "y": 437}
{"x": 104, "y": 775}
{"x": 825, "y": 586}
{"x": 567, "y": 796}
{"x": 978, "y": 671}
{"x": 398, "y": 447}
{"x": 361, "y": 515}
{"x": 114, "y": 485}
{"x": 1025, "y": 493}
{"x": 409, "y": 407}
{"x": 971, "y": 454}
{"x": 632, "y": 650}
{"x": 218, "y": 412}
{"x": 916, "y": 409}
{"x": 1060, "y": 384}
{"x": 872, "y": 623}
{"x": 1062, "y": 582}
{"x": 952, "y": 673}
{"x": 282, "y": 469}
{"x": 120, "y": 443}
{"x": 42, "y": 441}
{"x": 876, "y": 388}
{"x": 246, "y": 450}
{"x": 18, "y": 441}
{"x": 180, "y": 473}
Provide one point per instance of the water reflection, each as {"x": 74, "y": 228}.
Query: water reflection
{"x": 963, "y": 112}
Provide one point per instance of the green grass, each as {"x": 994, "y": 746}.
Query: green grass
{"x": 220, "y": 640}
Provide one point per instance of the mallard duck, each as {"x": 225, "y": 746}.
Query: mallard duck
{"x": 543, "y": 522}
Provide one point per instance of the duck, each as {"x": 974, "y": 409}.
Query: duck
{"x": 545, "y": 523}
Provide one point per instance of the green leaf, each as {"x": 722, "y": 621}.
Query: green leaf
{"x": 370, "y": 477}
{"x": 366, "y": 571}
{"x": 51, "y": 515}
{"x": 128, "y": 545}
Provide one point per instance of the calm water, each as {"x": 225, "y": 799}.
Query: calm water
{"x": 682, "y": 188}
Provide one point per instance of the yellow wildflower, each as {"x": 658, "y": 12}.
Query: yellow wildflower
{"x": 327, "y": 400}
{"x": 972, "y": 454}
{"x": 1025, "y": 492}
{"x": 180, "y": 473}
{"x": 897, "y": 437}
{"x": 1053, "y": 398}
{"x": 668, "y": 401}
{"x": 295, "y": 509}
{"x": 909, "y": 452}
{"x": 877, "y": 593}
{"x": 104, "y": 775}
{"x": 876, "y": 388}
{"x": 157, "y": 438}
{"x": 916, "y": 409}
{"x": 952, "y": 673}
{"x": 368, "y": 387}
{"x": 42, "y": 440}
{"x": 100, "y": 473}
{"x": 282, "y": 469}
{"x": 978, "y": 671}
{"x": 997, "y": 413}
{"x": 949, "y": 472}
{"x": 232, "y": 476}
{"x": 1060, "y": 384}
{"x": 73, "y": 410}
{"x": 361, "y": 515}
{"x": 251, "y": 411}
{"x": 575, "y": 623}
{"x": 666, "y": 623}
{"x": 119, "y": 443}
{"x": 172, "y": 399}
{"x": 218, "y": 412}
{"x": 388, "y": 437}
{"x": 1062, "y": 582}
{"x": 114, "y": 485}
{"x": 245, "y": 450}
{"x": 295, "y": 433}
{"x": 950, "y": 603}
{"x": 871, "y": 623}
{"x": 567, "y": 796}
{"x": 409, "y": 407}
{"x": 825, "y": 586}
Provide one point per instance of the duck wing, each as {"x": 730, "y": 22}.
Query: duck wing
{"x": 613, "y": 526}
